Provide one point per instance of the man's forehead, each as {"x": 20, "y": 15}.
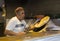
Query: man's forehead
{"x": 20, "y": 12}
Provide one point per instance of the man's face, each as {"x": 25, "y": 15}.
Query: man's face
{"x": 21, "y": 15}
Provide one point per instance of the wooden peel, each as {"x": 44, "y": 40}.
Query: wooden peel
{"x": 41, "y": 24}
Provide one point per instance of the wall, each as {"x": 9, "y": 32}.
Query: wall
{"x": 33, "y": 7}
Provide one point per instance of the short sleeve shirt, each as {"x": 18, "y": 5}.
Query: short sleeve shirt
{"x": 15, "y": 25}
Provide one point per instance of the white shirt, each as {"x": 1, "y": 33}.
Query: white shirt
{"x": 15, "y": 25}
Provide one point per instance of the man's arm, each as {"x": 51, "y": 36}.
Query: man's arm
{"x": 9, "y": 29}
{"x": 11, "y": 33}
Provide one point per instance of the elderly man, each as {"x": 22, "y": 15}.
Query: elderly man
{"x": 17, "y": 24}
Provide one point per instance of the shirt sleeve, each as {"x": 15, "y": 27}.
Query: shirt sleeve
{"x": 10, "y": 25}
{"x": 26, "y": 25}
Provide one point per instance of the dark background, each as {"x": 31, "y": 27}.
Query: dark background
{"x": 34, "y": 7}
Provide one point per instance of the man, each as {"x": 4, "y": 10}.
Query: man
{"x": 17, "y": 24}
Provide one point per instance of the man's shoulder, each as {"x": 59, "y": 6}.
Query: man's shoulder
{"x": 13, "y": 19}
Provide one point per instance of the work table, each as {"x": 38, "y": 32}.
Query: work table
{"x": 30, "y": 35}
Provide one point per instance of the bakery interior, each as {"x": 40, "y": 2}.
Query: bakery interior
{"x": 32, "y": 9}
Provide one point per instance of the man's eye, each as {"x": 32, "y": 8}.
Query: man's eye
{"x": 22, "y": 13}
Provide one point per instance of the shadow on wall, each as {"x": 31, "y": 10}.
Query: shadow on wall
{"x": 2, "y": 22}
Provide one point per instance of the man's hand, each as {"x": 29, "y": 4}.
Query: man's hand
{"x": 20, "y": 33}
